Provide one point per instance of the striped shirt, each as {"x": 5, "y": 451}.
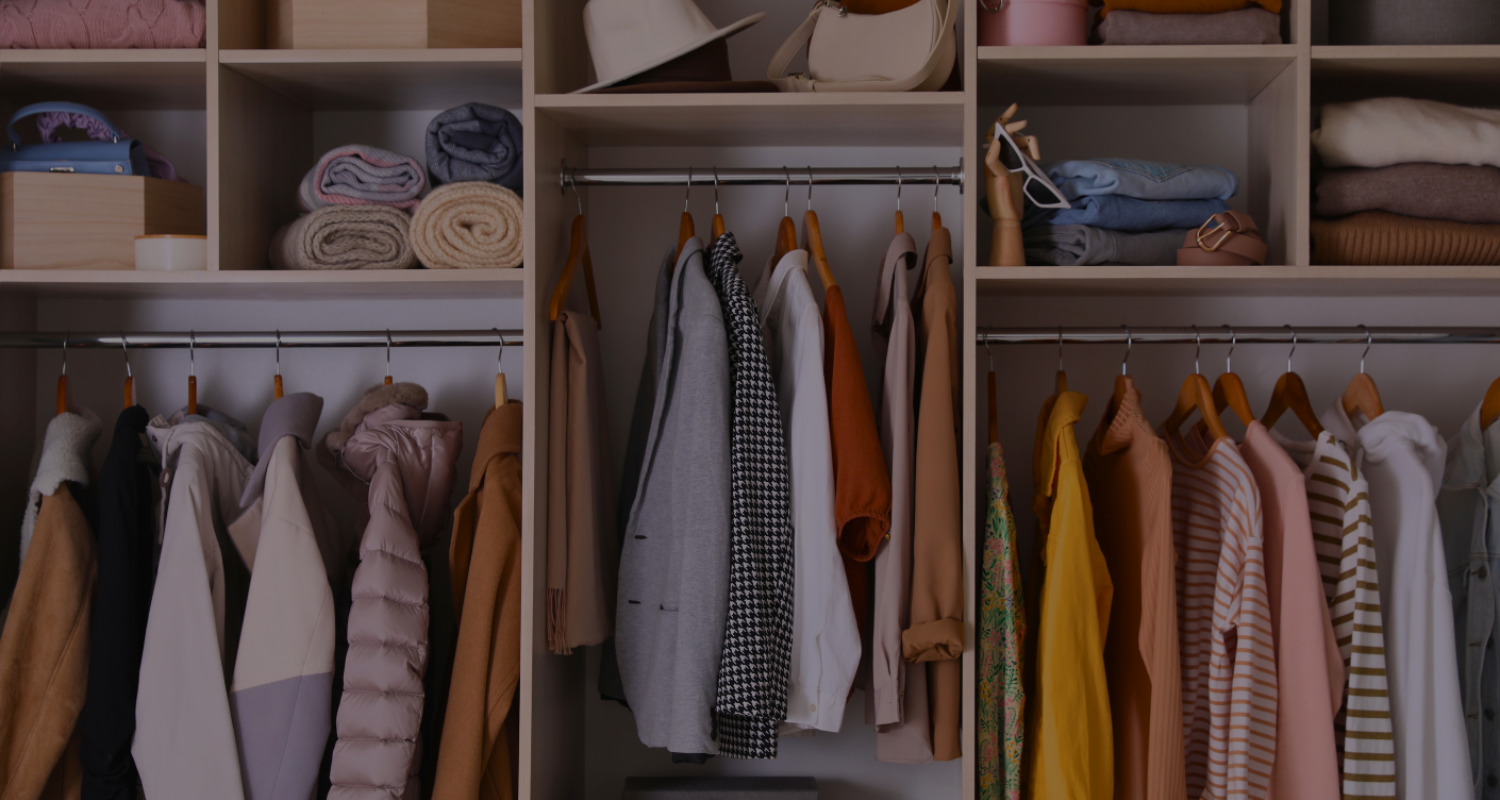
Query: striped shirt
{"x": 1228, "y": 650}
{"x": 1339, "y": 499}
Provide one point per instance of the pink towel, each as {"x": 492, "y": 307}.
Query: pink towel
{"x": 99, "y": 24}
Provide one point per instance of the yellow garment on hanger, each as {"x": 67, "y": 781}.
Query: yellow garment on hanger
{"x": 1071, "y": 730}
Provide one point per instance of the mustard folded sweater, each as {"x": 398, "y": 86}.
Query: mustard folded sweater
{"x": 1375, "y": 238}
{"x": 1189, "y": 6}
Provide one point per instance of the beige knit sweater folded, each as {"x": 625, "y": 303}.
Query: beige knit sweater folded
{"x": 345, "y": 237}
{"x": 469, "y": 225}
{"x": 1375, "y": 238}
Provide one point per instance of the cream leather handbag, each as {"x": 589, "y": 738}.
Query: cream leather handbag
{"x": 912, "y": 49}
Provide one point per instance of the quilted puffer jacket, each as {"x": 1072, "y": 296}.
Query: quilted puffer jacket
{"x": 404, "y": 463}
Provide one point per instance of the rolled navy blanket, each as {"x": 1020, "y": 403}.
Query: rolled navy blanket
{"x": 1127, "y": 213}
{"x": 475, "y": 142}
{"x": 1080, "y": 245}
{"x": 345, "y": 237}
{"x": 357, "y": 174}
{"x": 469, "y": 225}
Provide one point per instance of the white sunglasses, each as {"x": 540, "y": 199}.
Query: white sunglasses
{"x": 1039, "y": 188}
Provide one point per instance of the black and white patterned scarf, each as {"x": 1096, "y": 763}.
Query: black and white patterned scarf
{"x": 756, "y": 664}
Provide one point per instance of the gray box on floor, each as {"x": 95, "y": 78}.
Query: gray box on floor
{"x": 720, "y": 789}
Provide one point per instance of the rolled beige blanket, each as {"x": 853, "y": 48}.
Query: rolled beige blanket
{"x": 345, "y": 237}
{"x": 469, "y": 225}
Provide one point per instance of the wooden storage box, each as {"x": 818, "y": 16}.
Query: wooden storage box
{"x": 61, "y": 221}
{"x": 346, "y": 24}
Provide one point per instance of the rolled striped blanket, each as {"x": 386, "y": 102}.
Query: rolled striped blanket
{"x": 357, "y": 174}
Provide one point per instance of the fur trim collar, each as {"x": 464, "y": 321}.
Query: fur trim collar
{"x": 64, "y": 457}
{"x": 407, "y": 394}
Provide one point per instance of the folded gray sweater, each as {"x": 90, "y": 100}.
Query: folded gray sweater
{"x": 1079, "y": 245}
{"x": 1459, "y": 193}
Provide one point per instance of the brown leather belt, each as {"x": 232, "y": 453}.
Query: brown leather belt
{"x": 1230, "y": 239}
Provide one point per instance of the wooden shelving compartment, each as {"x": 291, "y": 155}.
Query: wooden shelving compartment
{"x": 1116, "y": 76}
{"x": 384, "y": 79}
{"x": 1463, "y": 74}
{"x": 1241, "y": 281}
{"x": 437, "y": 284}
{"x": 107, "y": 79}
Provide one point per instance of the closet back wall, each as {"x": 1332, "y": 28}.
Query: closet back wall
{"x": 1443, "y": 383}
{"x": 630, "y": 229}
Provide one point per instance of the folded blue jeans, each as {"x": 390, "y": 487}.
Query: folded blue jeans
{"x": 1144, "y": 180}
{"x": 1127, "y": 213}
{"x": 1080, "y": 245}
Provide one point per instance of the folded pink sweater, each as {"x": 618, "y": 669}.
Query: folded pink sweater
{"x": 100, "y": 24}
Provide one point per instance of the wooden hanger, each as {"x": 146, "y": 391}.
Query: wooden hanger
{"x": 62, "y": 380}
{"x": 1121, "y": 383}
{"x": 786, "y": 232}
{"x": 815, "y": 239}
{"x": 129, "y": 377}
{"x": 192, "y": 405}
{"x": 685, "y": 227}
{"x": 278, "y": 387}
{"x": 718, "y": 218}
{"x": 1362, "y": 396}
{"x": 1061, "y": 384}
{"x": 1196, "y": 395}
{"x": 387, "y": 356}
{"x": 502, "y": 394}
{"x": 900, "y": 220}
{"x": 1290, "y": 394}
{"x": 1489, "y": 411}
{"x": 578, "y": 253}
{"x": 1229, "y": 390}
{"x": 937, "y": 182}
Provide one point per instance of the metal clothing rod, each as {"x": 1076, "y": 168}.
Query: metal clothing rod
{"x": 912, "y": 177}
{"x": 241, "y": 339}
{"x": 1219, "y": 334}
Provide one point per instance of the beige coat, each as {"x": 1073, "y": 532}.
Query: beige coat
{"x": 474, "y": 761}
{"x": 44, "y": 655}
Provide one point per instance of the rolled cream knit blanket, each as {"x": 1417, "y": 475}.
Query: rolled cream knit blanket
{"x": 1400, "y": 130}
{"x": 1375, "y": 238}
{"x": 357, "y": 174}
{"x": 345, "y": 237}
{"x": 470, "y": 225}
{"x": 96, "y": 24}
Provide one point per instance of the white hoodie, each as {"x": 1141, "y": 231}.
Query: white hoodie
{"x": 1403, "y": 459}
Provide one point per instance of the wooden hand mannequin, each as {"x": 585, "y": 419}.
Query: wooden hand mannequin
{"x": 1007, "y": 203}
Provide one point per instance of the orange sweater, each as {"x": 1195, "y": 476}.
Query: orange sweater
{"x": 1189, "y": 6}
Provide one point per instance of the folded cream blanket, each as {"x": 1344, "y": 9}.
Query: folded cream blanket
{"x": 1375, "y": 238}
{"x": 345, "y": 237}
{"x": 1399, "y": 130}
{"x": 470, "y": 225}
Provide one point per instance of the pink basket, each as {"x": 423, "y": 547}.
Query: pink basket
{"x": 1034, "y": 22}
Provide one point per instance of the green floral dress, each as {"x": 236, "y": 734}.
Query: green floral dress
{"x": 1002, "y": 632}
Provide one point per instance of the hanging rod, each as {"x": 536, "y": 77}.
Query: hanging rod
{"x": 912, "y": 176}
{"x": 1218, "y": 334}
{"x": 182, "y": 339}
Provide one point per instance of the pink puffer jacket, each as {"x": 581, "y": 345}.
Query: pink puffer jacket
{"x": 405, "y": 460}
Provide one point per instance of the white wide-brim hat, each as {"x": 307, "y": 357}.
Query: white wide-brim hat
{"x": 628, "y": 37}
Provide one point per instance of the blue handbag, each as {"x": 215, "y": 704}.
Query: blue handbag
{"x": 122, "y": 156}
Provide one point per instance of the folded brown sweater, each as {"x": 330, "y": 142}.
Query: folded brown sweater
{"x": 1456, "y": 192}
{"x": 1375, "y": 238}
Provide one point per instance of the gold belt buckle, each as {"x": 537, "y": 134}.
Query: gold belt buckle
{"x": 1219, "y": 227}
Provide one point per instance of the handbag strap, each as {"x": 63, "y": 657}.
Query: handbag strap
{"x": 800, "y": 37}
{"x": 1230, "y": 239}
{"x": 71, "y": 108}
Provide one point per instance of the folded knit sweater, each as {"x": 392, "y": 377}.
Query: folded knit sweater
{"x": 1189, "y": 6}
{"x": 1455, "y": 192}
{"x": 1375, "y": 238}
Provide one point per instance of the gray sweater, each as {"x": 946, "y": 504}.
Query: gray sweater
{"x": 674, "y": 568}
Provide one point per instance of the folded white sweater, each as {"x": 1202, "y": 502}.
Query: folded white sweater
{"x": 1399, "y": 130}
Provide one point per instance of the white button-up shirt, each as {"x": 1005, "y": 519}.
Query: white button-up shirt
{"x": 825, "y": 637}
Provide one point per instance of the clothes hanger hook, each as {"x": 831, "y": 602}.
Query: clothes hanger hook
{"x": 1059, "y": 349}
{"x": 192, "y": 354}
{"x": 898, "y": 188}
{"x": 278, "y": 351}
{"x": 687, "y": 196}
{"x": 716, "y": 191}
{"x": 1233, "y": 342}
{"x": 1129, "y": 344}
{"x": 500, "y": 357}
{"x": 809, "y": 187}
{"x": 1197, "y": 370}
{"x": 388, "y": 353}
{"x": 786, "y": 197}
{"x": 66, "y": 337}
{"x": 125, "y": 348}
{"x": 937, "y": 183}
{"x": 1294, "y": 348}
{"x": 1369, "y": 341}
{"x": 573, "y": 180}
{"x": 989, "y": 353}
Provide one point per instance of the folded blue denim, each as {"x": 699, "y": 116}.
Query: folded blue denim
{"x": 1080, "y": 245}
{"x": 1127, "y": 213}
{"x": 1145, "y": 180}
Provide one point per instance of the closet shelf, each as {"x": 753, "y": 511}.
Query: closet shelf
{"x": 874, "y": 119}
{"x": 1241, "y": 281}
{"x": 436, "y": 284}
{"x": 1457, "y": 73}
{"x": 430, "y": 79}
{"x": 1147, "y": 75}
{"x": 108, "y": 79}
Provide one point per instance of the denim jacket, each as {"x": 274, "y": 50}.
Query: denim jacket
{"x": 1470, "y": 516}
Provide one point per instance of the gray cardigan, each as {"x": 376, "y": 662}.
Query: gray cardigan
{"x": 674, "y": 568}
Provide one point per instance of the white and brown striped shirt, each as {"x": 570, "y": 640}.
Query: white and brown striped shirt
{"x": 1228, "y": 650}
{"x": 1339, "y": 500}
